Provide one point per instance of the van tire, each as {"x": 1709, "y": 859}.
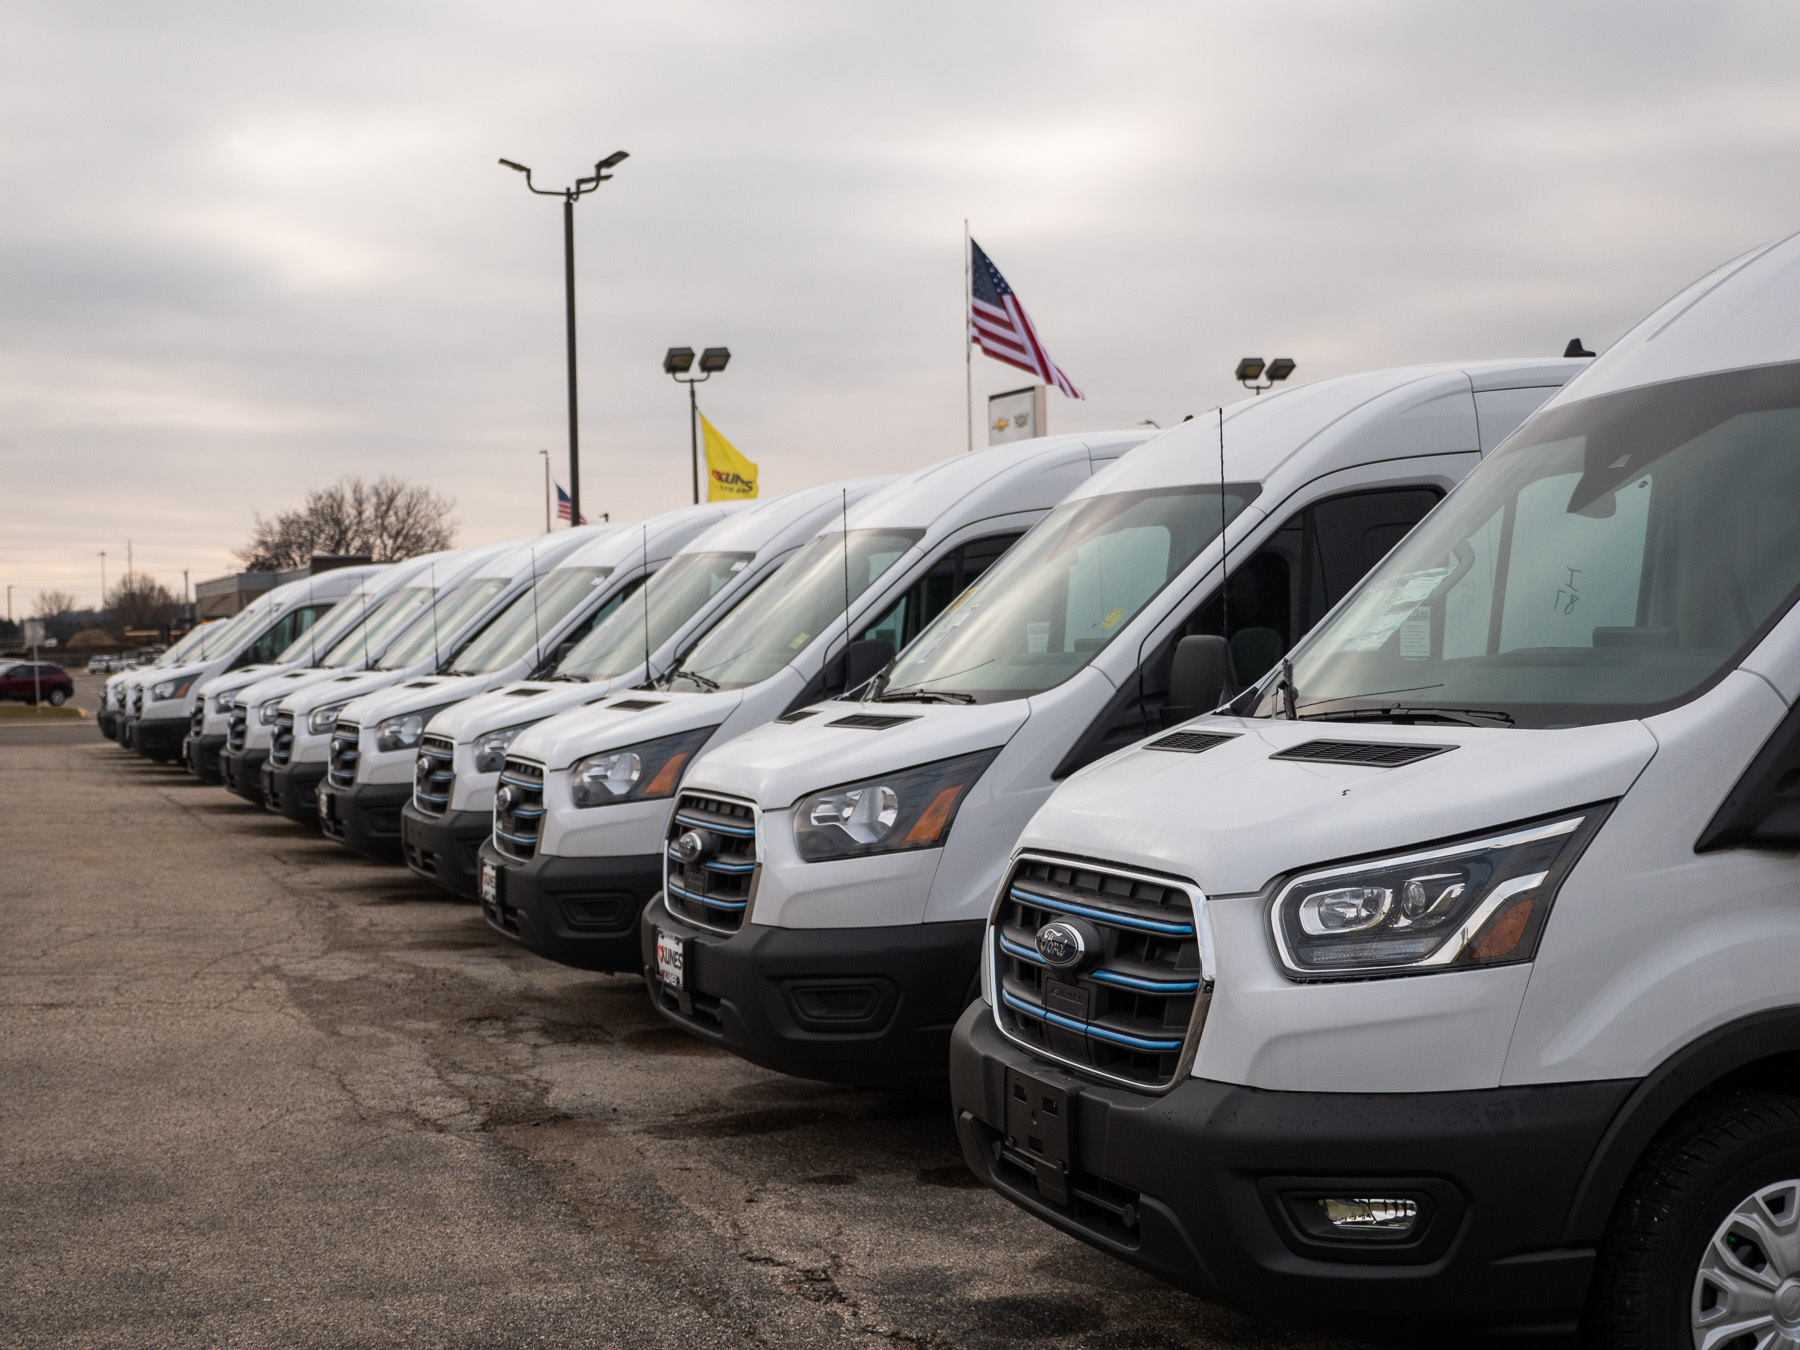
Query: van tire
{"x": 1710, "y": 1160}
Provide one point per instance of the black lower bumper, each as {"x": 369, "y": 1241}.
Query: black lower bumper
{"x": 443, "y": 849}
{"x": 1216, "y": 1188}
{"x": 847, "y": 1005}
{"x": 364, "y": 816}
{"x": 203, "y": 756}
{"x": 159, "y": 738}
{"x": 241, "y": 772}
{"x": 108, "y": 723}
{"x": 293, "y": 789}
{"x": 582, "y": 912}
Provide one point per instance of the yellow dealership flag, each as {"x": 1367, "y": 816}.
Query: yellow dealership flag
{"x": 729, "y": 476}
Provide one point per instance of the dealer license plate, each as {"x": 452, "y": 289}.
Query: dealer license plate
{"x": 325, "y": 811}
{"x": 671, "y": 961}
{"x": 490, "y": 883}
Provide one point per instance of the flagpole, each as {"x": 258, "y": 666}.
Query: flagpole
{"x": 968, "y": 349}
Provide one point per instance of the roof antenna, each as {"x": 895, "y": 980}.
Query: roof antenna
{"x": 537, "y": 636}
{"x": 1224, "y": 544}
{"x": 644, "y": 586}
{"x": 437, "y": 656}
{"x": 845, "y": 494}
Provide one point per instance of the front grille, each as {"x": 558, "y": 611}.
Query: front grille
{"x": 197, "y": 723}
{"x": 1377, "y": 754}
{"x": 714, "y": 889}
{"x": 345, "y": 751}
{"x": 1127, "y": 1013}
{"x": 434, "y": 775}
{"x": 237, "y": 730}
{"x": 281, "y": 743}
{"x": 519, "y": 809}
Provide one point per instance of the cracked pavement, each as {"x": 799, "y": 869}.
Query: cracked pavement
{"x": 261, "y": 1092}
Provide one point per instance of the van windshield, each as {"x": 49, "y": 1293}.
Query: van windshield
{"x": 803, "y": 599}
{"x": 670, "y": 598}
{"x": 387, "y": 617}
{"x": 435, "y": 631}
{"x": 323, "y": 635}
{"x": 219, "y": 637}
{"x": 1061, "y": 594}
{"x": 1612, "y": 560}
{"x": 179, "y": 651}
{"x": 529, "y": 618}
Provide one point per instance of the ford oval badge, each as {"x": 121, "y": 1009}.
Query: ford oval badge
{"x": 691, "y": 846}
{"x": 1061, "y": 945}
{"x": 503, "y": 799}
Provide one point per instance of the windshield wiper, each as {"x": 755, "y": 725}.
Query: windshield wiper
{"x": 707, "y": 684}
{"x": 925, "y": 696}
{"x": 1398, "y": 712}
{"x": 572, "y": 679}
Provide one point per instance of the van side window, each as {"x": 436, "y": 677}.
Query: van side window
{"x": 1275, "y": 595}
{"x": 281, "y": 635}
{"x": 932, "y": 593}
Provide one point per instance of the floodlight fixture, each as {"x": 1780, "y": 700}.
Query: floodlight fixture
{"x": 1253, "y": 369}
{"x": 613, "y": 160}
{"x": 1250, "y": 368}
{"x": 517, "y": 168}
{"x": 678, "y": 360}
{"x": 677, "y": 363}
{"x": 1280, "y": 368}
{"x": 714, "y": 359}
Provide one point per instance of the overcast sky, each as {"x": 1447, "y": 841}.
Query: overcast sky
{"x": 247, "y": 249}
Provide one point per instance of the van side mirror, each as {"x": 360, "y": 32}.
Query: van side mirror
{"x": 1762, "y": 810}
{"x": 1201, "y": 678}
{"x": 864, "y": 660}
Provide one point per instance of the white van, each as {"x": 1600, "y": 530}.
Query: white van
{"x": 375, "y": 743}
{"x": 585, "y": 798}
{"x": 882, "y": 827}
{"x": 420, "y": 624}
{"x": 114, "y": 696}
{"x": 242, "y": 704}
{"x": 163, "y": 696}
{"x": 696, "y": 581}
{"x": 1448, "y": 987}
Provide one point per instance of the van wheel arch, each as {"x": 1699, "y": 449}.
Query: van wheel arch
{"x": 1759, "y": 1052}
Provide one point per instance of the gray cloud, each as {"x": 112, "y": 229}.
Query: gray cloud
{"x": 248, "y": 249}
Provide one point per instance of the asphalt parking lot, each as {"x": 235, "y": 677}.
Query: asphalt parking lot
{"x": 263, "y": 1093}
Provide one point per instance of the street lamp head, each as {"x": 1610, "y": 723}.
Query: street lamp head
{"x": 678, "y": 360}
{"x": 516, "y": 168}
{"x": 1250, "y": 368}
{"x": 714, "y": 359}
{"x": 1280, "y": 368}
{"x": 612, "y": 161}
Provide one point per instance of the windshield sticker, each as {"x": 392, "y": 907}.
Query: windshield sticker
{"x": 1112, "y": 618}
{"x": 1037, "y": 637}
{"x": 1415, "y": 636}
{"x": 799, "y": 642}
{"x": 1384, "y": 606}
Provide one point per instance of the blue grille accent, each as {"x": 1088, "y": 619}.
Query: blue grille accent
{"x": 1104, "y": 915}
{"x": 1025, "y": 953}
{"x": 1089, "y": 1028}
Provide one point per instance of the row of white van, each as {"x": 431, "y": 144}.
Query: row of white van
{"x": 893, "y": 774}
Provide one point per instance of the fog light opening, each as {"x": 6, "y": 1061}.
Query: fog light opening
{"x": 1373, "y": 1215}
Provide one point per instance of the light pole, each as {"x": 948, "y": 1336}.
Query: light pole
{"x": 9, "y": 591}
{"x": 1251, "y": 369}
{"x": 546, "y": 455}
{"x": 677, "y": 361}
{"x": 103, "y": 583}
{"x": 582, "y": 187}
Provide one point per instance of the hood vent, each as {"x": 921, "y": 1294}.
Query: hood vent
{"x": 421, "y": 684}
{"x": 635, "y": 704}
{"x": 1375, "y": 754}
{"x": 798, "y": 715}
{"x": 1189, "y": 742}
{"x": 870, "y": 721}
{"x": 523, "y": 693}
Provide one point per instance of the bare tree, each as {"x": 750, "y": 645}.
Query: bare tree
{"x": 389, "y": 519}
{"x": 141, "y": 601}
{"x": 51, "y": 603}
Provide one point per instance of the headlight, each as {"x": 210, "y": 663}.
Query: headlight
{"x": 321, "y": 720}
{"x": 910, "y": 809}
{"x": 405, "y": 731}
{"x": 171, "y": 688}
{"x": 490, "y": 750}
{"x": 271, "y": 709}
{"x": 222, "y": 703}
{"x": 635, "y": 773}
{"x": 1478, "y": 903}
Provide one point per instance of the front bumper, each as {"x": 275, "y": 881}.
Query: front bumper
{"x": 107, "y": 721}
{"x": 159, "y": 738}
{"x": 582, "y": 912}
{"x": 365, "y": 817}
{"x": 203, "y": 756}
{"x": 293, "y": 788}
{"x": 847, "y": 1005}
{"x": 241, "y": 772}
{"x": 1206, "y": 1186}
{"x": 443, "y": 849}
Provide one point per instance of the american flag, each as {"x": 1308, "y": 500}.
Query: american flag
{"x": 999, "y": 325}
{"x": 564, "y": 506}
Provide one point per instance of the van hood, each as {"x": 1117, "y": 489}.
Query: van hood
{"x": 1231, "y": 818}
{"x": 511, "y": 704}
{"x": 428, "y": 691}
{"x": 778, "y": 763}
{"x": 338, "y": 688}
{"x": 229, "y": 682}
{"x": 558, "y": 742}
{"x": 267, "y": 686}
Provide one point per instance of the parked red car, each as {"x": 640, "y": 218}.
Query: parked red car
{"x": 30, "y": 681}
